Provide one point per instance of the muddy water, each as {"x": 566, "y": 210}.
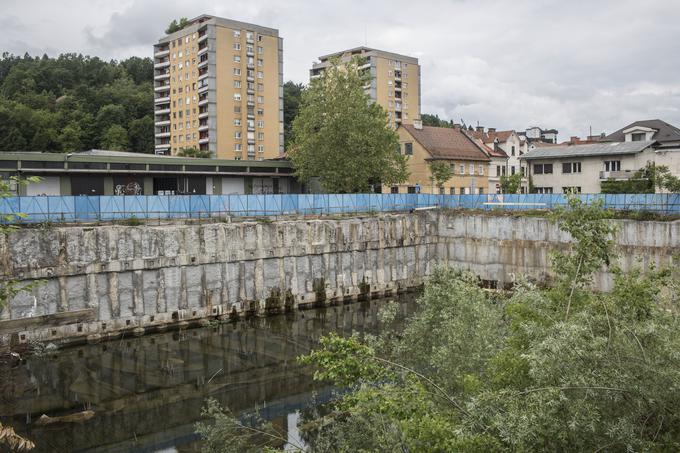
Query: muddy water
{"x": 146, "y": 393}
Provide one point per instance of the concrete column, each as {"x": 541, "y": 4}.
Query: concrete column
{"x": 108, "y": 185}
{"x": 148, "y": 185}
{"x": 217, "y": 185}
{"x": 65, "y": 185}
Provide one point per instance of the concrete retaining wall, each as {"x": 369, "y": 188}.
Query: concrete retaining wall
{"x": 105, "y": 281}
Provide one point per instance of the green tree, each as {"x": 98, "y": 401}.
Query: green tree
{"x": 176, "y": 25}
{"x": 115, "y": 138}
{"x": 665, "y": 180}
{"x": 512, "y": 183}
{"x": 292, "y": 95}
{"x": 71, "y": 138}
{"x": 141, "y": 134}
{"x": 440, "y": 172}
{"x": 434, "y": 121}
{"x": 194, "y": 152}
{"x": 342, "y": 137}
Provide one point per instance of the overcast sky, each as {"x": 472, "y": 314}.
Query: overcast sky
{"x": 509, "y": 64}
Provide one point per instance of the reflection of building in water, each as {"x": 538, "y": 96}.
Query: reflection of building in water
{"x": 147, "y": 392}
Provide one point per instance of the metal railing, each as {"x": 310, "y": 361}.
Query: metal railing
{"x": 37, "y": 209}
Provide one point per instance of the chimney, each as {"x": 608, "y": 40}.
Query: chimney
{"x": 480, "y": 129}
{"x": 492, "y": 130}
{"x": 456, "y": 126}
{"x": 418, "y": 124}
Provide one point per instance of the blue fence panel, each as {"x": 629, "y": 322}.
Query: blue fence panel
{"x": 158, "y": 206}
{"x": 137, "y": 206}
{"x": 199, "y": 206}
{"x": 289, "y": 204}
{"x": 112, "y": 207}
{"x": 87, "y": 208}
{"x": 179, "y": 206}
{"x": 36, "y": 209}
{"x": 61, "y": 209}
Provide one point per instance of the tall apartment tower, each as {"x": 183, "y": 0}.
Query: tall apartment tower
{"x": 395, "y": 81}
{"x": 218, "y": 87}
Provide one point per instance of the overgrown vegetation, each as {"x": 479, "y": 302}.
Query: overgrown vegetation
{"x": 557, "y": 369}
{"x": 194, "y": 152}
{"x": 177, "y": 25}
{"x": 75, "y": 102}
{"x": 645, "y": 180}
{"x": 292, "y": 96}
{"x": 440, "y": 172}
{"x": 512, "y": 183}
{"x": 343, "y": 138}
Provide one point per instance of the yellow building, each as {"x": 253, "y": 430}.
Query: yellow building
{"x": 395, "y": 81}
{"x": 424, "y": 144}
{"x": 218, "y": 87}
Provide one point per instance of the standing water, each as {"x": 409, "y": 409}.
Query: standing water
{"x": 145, "y": 394}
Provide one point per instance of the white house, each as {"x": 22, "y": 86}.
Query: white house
{"x": 582, "y": 168}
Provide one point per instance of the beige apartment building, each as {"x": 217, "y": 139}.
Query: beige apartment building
{"x": 395, "y": 81}
{"x": 218, "y": 87}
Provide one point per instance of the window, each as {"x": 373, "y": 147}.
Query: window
{"x": 462, "y": 169}
{"x": 411, "y": 189}
{"x": 237, "y": 122}
{"x": 260, "y": 123}
{"x": 394, "y": 189}
{"x": 260, "y": 62}
{"x": 260, "y": 148}
{"x": 237, "y": 135}
{"x": 260, "y": 87}
{"x": 638, "y": 137}
{"x": 237, "y": 147}
{"x": 260, "y": 75}
{"x": 249, "y": 35}
{"x": 512, "y": 150}
{"x": 498, "y": 170}
{"x": 441, "y": 191}
{"x": 512, "y": 169}
{"x": 571, "y": 167}
{"x": 260, "y": 99}
{"x": 237, "y": 34}
{"x": 408, "y": 149}
{"x": 237, "y": 46}
{"x": 540, "y": 169}
{"x": 543, "y": 190}
{"x": 237, "y": 84}
{"x": 259, "y": 38}
{"x": 481, "y": 190}
{"x": 472, "y": 169}
{"x": 612, "y": 165}
{"x": 452, "y": 191}
{"x": 462, "y": 191}
{"x": 480, "y": 170}
{"x": 260, "y": 112}
{"x": 237, "y": 96}
{"x": 260, "y": 49}
{"x": 260, "y": 135}
{"x": 572, "y": 189}
{"x": 237, "y": 71}
{"x": 237, "y": 58}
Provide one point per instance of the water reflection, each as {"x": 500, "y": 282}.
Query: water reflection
{"x": 147, "y": 392}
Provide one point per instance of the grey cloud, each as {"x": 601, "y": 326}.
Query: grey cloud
{"x": 508, "y": 64}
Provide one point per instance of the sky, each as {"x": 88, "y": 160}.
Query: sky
{"x": 508, "y": 64}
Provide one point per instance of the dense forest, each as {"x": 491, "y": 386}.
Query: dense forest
{"x": 75, "y": 102}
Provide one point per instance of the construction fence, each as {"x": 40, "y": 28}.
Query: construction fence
{"x": 103, "y": 208}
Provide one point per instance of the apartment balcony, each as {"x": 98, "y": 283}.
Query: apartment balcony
{"x": 163, "y": 87}
{"x": 202, "y": 50}
{"x": 163, "y": 145}
{"x": 161, "y": 53}
{"x": 203, "y": 140}
{"x": 203, "y": 101}
{"x": 202, "y": 88}
{"x": 202, "y": 37}
{"x": 162, "y": 123}
{"x": 161, "y": 64}
{"x": 202, "y": 63}
{"x": 163, "y": 76}
{"x": 397, "y": 108}
{"x": 162, "y": 100}
{"x": 203, "y": 115}
{"x": 202, "y": 76}
{"x": 164, "y": 111}
{"x": 203, "y": 127}
{"x": 162, "y": 134}
{"x": 622, "y": 175}
{"x": 364, "y": 66}
{"x": 250, "y": 40}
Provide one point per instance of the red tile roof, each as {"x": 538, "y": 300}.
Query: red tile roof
{"x": 489, "y": 137}
{"x": 446, "y": 143}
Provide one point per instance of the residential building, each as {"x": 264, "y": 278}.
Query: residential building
{"x": 498, "y": 165}
{"x": 667, "y": 136}
{"x": 218, "y": 87}
{"x": 394, "y": 82}
{"x": 546, "y": 135}
{"x": 103, "y": 172}
{"x": 511, "y": 145}
{"x": 582, "y": 168}
{"x": 425, "y": 144}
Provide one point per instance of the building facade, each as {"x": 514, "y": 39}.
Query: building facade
{"x": 395, "y": 80}
{"x": 103, "y": 172}
{"x": 425, "y": 144}
{"x": 509, "y": 143}
{"x": 218, "y": 87}
{"x": 583, "y": 168}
